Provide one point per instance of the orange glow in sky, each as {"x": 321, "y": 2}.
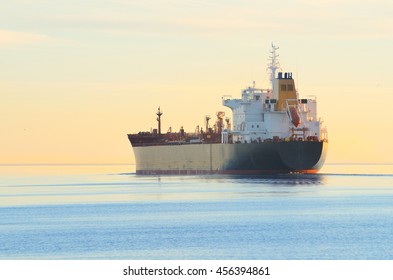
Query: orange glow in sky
{"x": 77, "y": 76}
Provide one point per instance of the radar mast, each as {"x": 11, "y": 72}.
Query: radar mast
{"x": 273, "y": 65}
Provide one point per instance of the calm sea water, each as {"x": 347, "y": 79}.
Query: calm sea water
{"x": 108, "y": 212}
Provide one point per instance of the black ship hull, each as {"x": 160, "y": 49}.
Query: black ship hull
{"x": 246, "y": 158}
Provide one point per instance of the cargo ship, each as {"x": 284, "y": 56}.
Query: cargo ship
{"x": 272, "y": 131}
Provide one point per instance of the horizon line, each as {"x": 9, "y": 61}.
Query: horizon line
{"x": 61, "y": 164}
{"x": 127, "y": 163}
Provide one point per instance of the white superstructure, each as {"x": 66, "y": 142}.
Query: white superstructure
{"x": 275, "y": 114}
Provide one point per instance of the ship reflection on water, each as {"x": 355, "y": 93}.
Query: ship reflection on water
{"x": 259, "y": 187}
{"x": 216, "y": 188}
{"x": 282, "y": 179}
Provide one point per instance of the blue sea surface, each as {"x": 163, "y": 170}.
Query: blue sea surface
{"x": 109, "y": 212}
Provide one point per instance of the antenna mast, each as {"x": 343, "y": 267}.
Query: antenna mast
{"x": 273, "y": 65}
{"x": 159, "y": 114}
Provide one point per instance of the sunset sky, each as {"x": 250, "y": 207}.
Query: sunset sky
{"x": 77, "y": 76}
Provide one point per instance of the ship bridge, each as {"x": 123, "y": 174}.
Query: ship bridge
{"x": 273, "y": 114}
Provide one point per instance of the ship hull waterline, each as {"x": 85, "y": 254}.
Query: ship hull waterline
{"x": 244, "y": 158}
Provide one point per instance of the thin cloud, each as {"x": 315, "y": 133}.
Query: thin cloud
{"x": 304, "y": 18}
{"x": 11, "y": 38}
